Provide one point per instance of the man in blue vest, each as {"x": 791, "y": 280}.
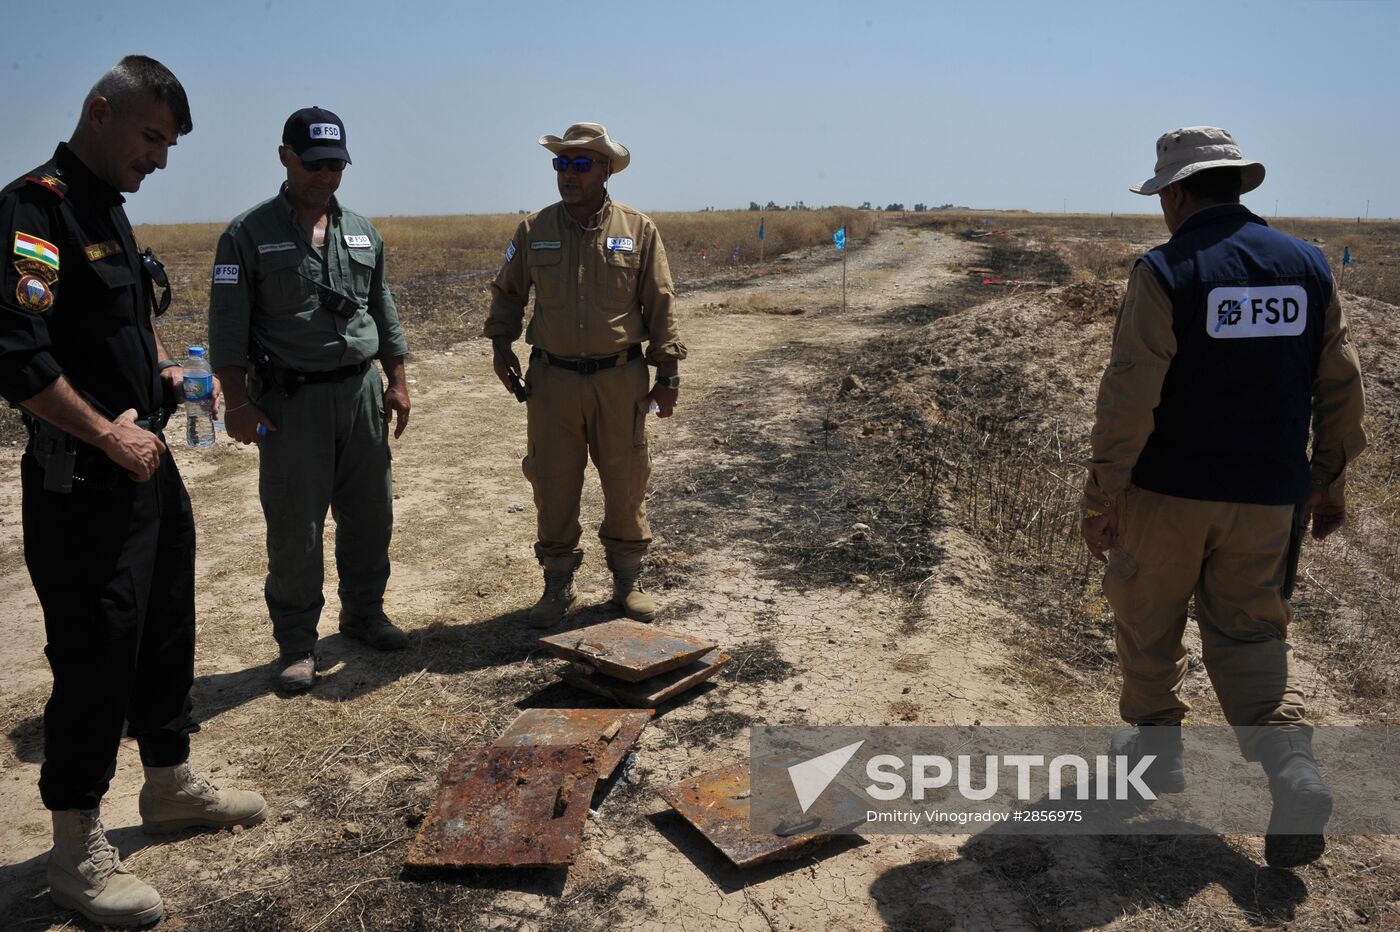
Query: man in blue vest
{"x": 1230, "y": 342}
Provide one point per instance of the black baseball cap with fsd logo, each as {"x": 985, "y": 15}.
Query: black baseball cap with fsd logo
{"x": 315, "y": 133}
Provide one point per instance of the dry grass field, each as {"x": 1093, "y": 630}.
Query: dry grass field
{"x": 440, "y": 267}
{"x": 875, "y": 511}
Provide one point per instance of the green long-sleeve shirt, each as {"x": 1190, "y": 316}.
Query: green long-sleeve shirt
{"x": 266, "y": 277}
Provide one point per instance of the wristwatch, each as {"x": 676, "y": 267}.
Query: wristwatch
{"x": 167, "y": 364}
{"x": 670, "y": 381}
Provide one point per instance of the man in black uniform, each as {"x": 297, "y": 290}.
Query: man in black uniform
{"x": 108, "y": 530}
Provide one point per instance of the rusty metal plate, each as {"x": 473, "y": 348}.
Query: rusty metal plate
{"x": 649, "y": 693}
{"x": 717, "y": 804}
{"x": 628, "y": 650}
{"x": 508, "y": 807}
{"x": 611, "y": 732}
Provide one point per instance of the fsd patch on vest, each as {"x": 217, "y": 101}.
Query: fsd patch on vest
{"x": 1259, "y": 311}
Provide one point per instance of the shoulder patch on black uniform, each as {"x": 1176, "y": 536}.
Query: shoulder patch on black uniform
{"x": 32, "y": 248}
{"x": 50, "y": 182}
{"x": 34, "y": 294}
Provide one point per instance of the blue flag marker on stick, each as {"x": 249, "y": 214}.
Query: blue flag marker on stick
{"x": 760, "y": 229}
{"x": 1346, "y": 256}
{"x": 840, "y": 239}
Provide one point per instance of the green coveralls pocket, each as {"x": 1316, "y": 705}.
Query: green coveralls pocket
{"x": 362, "y": 263}
{"x": 281, "y": 288}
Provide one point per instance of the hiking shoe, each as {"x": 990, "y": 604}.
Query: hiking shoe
{"x": 296, "y": 672}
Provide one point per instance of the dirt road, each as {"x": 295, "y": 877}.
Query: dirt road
{"x": 349, "y": 768}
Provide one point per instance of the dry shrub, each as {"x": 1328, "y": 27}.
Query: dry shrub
{"x": 1085, "y": 301}
{"x": 1349, "y": 587}
{"x": 1098, "y": 261}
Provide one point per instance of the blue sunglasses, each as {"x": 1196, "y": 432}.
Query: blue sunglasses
{"x": 583, "y": 165}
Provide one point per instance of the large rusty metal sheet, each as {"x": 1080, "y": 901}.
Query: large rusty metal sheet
{"x": 717, "y": 804}
{"x": 628, "y": 650}
{"x": 509, "y": 807}
{"x": 649, "y": 693}
{"x": 611, "y": 732}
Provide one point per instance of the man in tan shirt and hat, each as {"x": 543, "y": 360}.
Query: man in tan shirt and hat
{"x": 1230, "y": 342}
{"x": 602, "y": 289}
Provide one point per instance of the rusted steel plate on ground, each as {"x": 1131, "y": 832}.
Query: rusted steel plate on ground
{"x": 612, "y": 732}
{"x": 628, "y": 650}
{"x": 509, "y": 807}
{"x": 649, "y": 693}
{"x": 717, "y": 804}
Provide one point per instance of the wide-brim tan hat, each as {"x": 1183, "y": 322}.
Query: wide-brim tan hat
{"x": 593, "y": 137}
{"x": 1183, "y": 152}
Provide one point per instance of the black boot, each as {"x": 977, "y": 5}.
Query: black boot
{"x": 1166, "y": 774}
{"x": 1302, "y": 799}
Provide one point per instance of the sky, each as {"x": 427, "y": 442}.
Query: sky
{"x": 996, "y": 105}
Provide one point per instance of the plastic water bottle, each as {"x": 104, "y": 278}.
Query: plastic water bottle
{"x": 199, "y": 399}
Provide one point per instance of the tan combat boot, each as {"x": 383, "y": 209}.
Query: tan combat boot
{"x": 176, "y": 798}
{"x": 559, "y": 598}
{"x": 85, "y": 874}
{"x": 636, "y": 603}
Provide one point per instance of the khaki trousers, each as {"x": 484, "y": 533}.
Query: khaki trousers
{"x": 1231, "y": 557}
{"x": 573, "y": 417}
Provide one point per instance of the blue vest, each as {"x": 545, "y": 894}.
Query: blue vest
{"x": 1248, "y": 306}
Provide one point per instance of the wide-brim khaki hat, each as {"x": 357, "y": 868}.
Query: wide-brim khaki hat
{"x": 593, "y": 137}
{"x": 1183, "y": 152}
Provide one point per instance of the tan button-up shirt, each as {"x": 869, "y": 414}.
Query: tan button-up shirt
{"x": 598, "y": 289}
{"x": 1143, "y": 346}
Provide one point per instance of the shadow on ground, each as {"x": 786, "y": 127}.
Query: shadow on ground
{"x": 1003, "y": 880}
{"x": 351, "y": 670}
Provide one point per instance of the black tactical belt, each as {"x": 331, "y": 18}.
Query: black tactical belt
{"x": 296, "y": 377}
{"x": 154, "y": 423}
{"x": 151, "y": 423}
{"x": 587, "y": 366}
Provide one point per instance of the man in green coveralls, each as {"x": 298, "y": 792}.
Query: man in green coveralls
{"x": 298, "y": 311}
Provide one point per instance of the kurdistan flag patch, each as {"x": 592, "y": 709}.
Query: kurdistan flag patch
{"x": 31, "y": 247}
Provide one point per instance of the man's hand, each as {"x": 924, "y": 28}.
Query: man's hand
{"x": 175, "y": 378}
{"x": 665, "y": 398}
{"x": 241, "y": 422}
{"x": 1100, "y": 534}
{"x": 505, "y": 362}
{"x": 396, "y": 404}
{"x": 1329, "y": 512}
{"x": 136, "y": 450}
